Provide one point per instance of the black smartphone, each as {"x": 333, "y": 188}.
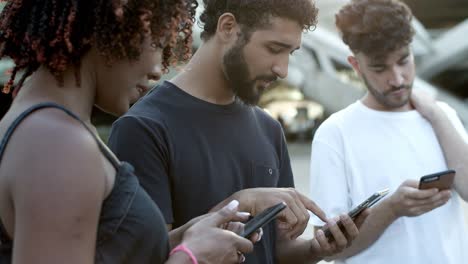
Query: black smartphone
{"x": 441, "y": 180}
{"x": 262, "y": 219}
{"x": 373, "y": 199}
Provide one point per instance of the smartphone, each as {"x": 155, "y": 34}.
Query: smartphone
{"x": 262, "y": 219}
{"x": 441, "y": 180}
{"x": 354, "y": 213}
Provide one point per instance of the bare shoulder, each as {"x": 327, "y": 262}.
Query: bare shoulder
{"x": 57, "y": 180}
{"x": 52, "y": 141}
{"x": 53, "y": 156}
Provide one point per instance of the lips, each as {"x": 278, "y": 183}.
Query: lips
{"x": 399, "y": 91}
{"x": 142, "y": 89}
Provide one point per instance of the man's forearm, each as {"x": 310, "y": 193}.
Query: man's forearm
{"x": 380, "y": 217}
{"x": 455, "y": 150}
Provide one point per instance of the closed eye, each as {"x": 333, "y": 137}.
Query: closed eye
{"x": 274, "y": 50}
{"x": 403, "y": 62}
{"x": 378, "y": 69}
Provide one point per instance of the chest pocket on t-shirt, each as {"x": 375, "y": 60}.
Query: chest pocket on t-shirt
{"x": 263, "y": 176}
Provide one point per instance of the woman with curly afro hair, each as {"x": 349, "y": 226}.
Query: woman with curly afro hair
{"x": 64, "y": 197}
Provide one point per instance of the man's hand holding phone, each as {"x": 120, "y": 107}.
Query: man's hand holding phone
{"x": 337, "y": 234}
{"x": 292, "y": 221}
{"x": 409, "y": 200}
{"x": 355, "y": 215}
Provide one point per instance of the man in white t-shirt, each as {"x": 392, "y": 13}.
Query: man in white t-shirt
{"x": 389, "y": 139}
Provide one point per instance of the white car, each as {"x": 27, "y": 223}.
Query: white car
{"x": 299, "y": 116}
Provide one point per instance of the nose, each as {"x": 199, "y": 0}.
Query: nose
{"x": 280, "y": 68}
{"x": 397, "y": 77}
{"x": 155, "y": 74}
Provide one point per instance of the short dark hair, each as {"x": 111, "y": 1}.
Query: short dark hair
{"x": 57, "y": 33}
{"x": 253, "y": 14}
{"x": 375, "y": 27}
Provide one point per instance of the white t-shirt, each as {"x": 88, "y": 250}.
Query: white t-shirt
{"x": 359, "y": 151}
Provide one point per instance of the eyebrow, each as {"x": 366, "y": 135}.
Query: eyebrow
{"x": 283, "y": 45}
{"x": 380, "y": 64}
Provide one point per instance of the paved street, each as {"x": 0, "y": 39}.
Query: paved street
{"x": 300, "y": 157}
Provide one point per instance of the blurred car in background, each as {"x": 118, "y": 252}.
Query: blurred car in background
{"x": 298, "y": 115}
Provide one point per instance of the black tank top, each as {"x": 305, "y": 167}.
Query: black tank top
{"x": 131, "y": 227}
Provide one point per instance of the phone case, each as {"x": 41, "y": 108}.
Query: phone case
{"x": 441, "y": 180}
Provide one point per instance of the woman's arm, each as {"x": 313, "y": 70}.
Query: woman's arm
{"x": 57, "y": 183}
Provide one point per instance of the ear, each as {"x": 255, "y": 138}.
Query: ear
{"x": 355, "y": 64}
{"x": 227, "y": 27}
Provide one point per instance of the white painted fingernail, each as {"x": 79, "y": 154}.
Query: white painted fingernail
{"x": 232, "y": 205}
{"x": 243, "y": 214}
{"x": 260, "y": 237}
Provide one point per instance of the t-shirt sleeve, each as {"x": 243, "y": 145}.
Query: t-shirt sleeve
{"x": 328, "y": 185}
{"x": 456, "y": 122}
{"x": 143, "y": 144}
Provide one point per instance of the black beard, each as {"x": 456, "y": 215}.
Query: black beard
{"x": 236, "y": 71}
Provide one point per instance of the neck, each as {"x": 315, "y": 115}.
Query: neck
{"x": 370, "y": 102}
{"x": 43, "y": 87}
{"x": 203, "y": 76}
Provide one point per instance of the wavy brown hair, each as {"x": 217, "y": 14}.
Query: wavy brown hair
{"x": 255, "y": 14}
{"x": 57, "y": 33}
{"x": 375, "y": 27}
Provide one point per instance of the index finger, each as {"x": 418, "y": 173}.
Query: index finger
{"x": 313, "y": 207}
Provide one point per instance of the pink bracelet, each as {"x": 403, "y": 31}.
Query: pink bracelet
{"x": 186, "y": 250}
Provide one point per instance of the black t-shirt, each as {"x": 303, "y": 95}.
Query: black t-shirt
{"x": 190, "y": 155}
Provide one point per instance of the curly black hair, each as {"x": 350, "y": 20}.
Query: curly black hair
{"x": 375, "y": 27}
{"x": 254, "y": 14}
{"x": 57, "y": 33}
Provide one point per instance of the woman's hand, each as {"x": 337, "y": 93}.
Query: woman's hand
{"x": 210, "y": 243}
